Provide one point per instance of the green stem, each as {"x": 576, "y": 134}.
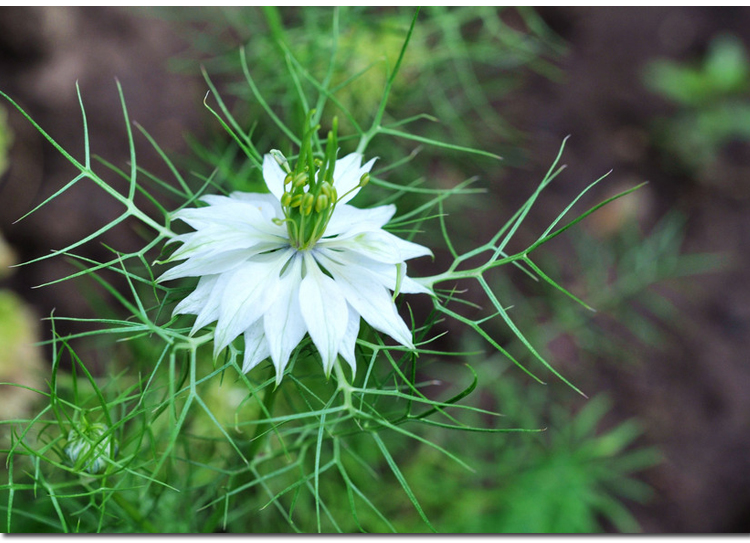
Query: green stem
{"x": 343, "y": 385}
{"x": 261, "y": 429}
{"x": 141, "y": 216}
{"x": 375, "y": 128}
{"x": 275, "y": 25}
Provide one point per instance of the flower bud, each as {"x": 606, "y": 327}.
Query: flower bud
{"x": 286, "y": 199}
{"x": 86, "y": 448}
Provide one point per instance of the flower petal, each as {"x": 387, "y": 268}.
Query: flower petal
{"x": 370, "y": 299}
{"x": 256, "y": 346}
{"x": 249, "y": 291}
{"x": 232, "y": 214}
{"x": 346, "y": 349}
{"x": 207, "y": 264}
{"x": 211, "y": 241}
{"x": 204, "y": 301}
{"x": 347, "y": 174}
{"x": 268, "y": 204}
{"x": 386, "y": 274}
{"x": 407, "y": 285}
{"x": 273, "y": 175}
{"x": 324, "y": 309}
{"x": 379, "y": 245}
{"x": 197, "y": 300}
{"x": 350, "y": 220}
{"x": 283, "y": 323}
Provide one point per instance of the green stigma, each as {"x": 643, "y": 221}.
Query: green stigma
{"x": 309, "y": 197}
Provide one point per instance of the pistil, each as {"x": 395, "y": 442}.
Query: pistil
{"x": 309, "y": 197}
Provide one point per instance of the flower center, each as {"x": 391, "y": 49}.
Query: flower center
{"x": 310, "y": 196}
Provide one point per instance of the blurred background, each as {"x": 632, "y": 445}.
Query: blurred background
{"x": 653, "y": 94}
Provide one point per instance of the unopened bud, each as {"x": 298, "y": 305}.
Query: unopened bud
{"x": 296, "y": 200}
{"x": 364, "y": 179}
{"x": 286, "y": 199}
{"x": 88, "y": 450}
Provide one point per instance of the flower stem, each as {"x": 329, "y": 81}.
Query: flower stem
{"x": 261, "y": 429}
{"x": 343, "y": 385}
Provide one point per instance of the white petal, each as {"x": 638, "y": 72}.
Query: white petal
{"x": 234, "y": 214}
{"x": 347, "y": 166}
{"x": 214, "y": 200}
{"x": 346, "y": 349}
{"x": 256, "y": 347}
{"x": 385, "y": 274}
{"x": 324, "y": 309}
{"x": 207, "y": 264}
{"x": 347, "y": 174}
{"x": 283, "y": 323}
{"x": 268, "y": 204}
{"x": 273, "y": 176}
{"x": 248, "y": 293}
{"x": 203, "y": 302}
{"x": 210, "y": 311}
{"x": 407, "y": 285}
{"x": 350, "y": 220}
{"x": 379, "y": 245}
{"x": 214, "y": 240}
{"x": 197, "y": 300}
{"x": 370, "y": 299}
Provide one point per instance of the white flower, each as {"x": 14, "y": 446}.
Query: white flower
{"x": 297, "y": 261}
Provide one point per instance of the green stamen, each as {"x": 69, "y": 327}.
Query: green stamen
{"x": 309, "y": 195}
{"x": 321, "y": 203}
{"x": 281, "y": 160}
{"x": 307, "y": 203}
